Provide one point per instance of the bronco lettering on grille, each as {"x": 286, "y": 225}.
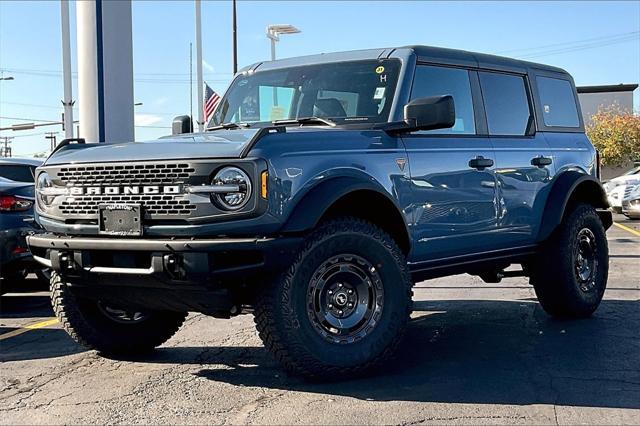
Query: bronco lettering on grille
{"x": 127, "y": 190}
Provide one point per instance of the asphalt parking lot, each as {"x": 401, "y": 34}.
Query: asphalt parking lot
{"x": 474, "y": 353}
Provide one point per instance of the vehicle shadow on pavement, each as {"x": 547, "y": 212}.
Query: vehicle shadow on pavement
{"x": 479, "y": 352}
{"x": 25, "y": 305}
{"x": 37, "y": 344}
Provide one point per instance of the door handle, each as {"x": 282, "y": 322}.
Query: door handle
{"x": 480, "y": 162}
{"x": 541, "y": 161}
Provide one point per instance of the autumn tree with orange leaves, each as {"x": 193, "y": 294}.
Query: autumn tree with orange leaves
{"x": 616, "y": 134}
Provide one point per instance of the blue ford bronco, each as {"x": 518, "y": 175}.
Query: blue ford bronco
{"x": 323, "y": 188}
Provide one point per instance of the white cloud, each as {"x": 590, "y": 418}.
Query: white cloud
{"x": 207, "y": 66}
{"x": 146, "y": 119}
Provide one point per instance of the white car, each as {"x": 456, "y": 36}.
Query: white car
{"x": 618, "y": 188}
{"x": 631, "y": 202}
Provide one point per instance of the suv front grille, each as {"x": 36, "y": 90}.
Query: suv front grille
{"x": 153, "y": 204}
{"x": 140, "y": 174}
{"x": 136, "y": 174}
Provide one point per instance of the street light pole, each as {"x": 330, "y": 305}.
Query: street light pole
{"x": 67, "y": 101}
{"x": 273, "y": 34}
{"x": 235, "y": 39}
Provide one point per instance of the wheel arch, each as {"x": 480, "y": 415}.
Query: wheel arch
{"x": 349, "y": 196}
{"x": 569, "y": 188}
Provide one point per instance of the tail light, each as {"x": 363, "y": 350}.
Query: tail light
{"x": 597, "y": 164}
{"x": 11, "y": 203}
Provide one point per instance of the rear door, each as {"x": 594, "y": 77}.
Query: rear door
{"x": 453, "y": 185}
{"x": 524, "y": 160}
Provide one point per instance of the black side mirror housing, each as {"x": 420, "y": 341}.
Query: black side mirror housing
{"x": 435, "y": 112}
{"x": 181, "y": 124}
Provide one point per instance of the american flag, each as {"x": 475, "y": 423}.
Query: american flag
{"x": 211, "y": 101}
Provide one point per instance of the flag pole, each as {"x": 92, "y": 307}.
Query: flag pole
{"x": 199, "y": 65}
{"x": 191, "y": 83}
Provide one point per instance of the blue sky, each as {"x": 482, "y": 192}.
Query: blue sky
{"x": 597, "y": 42}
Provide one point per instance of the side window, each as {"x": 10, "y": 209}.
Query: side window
{"x": 438, "y": 81}
{"x": 506, "y": 103}
{"x": 558, "y": 102}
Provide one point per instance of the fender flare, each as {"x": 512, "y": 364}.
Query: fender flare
{"x": 309, "y": 210}
{"x": 567, "y": 185}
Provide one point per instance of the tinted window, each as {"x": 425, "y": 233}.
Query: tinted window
{"x": 438, "y": 81}
{"x": 19, "y": 173}
{"x": 558, "y": 103}
{"x": 506, "y": 103}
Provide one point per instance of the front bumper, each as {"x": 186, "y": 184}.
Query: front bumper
{"x": 631, "y": 208}
{"x": 205, "y": 275}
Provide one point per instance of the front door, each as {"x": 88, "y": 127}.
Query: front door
{"x": 453, "y": 209}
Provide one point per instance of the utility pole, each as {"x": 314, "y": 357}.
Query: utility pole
{"x": 52, "y": 138}
{"x": 67, "y": 100}
{"x": 199, "y": 65}
{"x": 235, "y": 39}
{"x": 6, "y": 149}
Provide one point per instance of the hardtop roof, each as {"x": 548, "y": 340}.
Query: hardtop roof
{"x": 424, "y": 53}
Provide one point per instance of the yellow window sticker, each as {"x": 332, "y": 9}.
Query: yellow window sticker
{"x": 380, "y": 70}
{"x": 276, "y": 113}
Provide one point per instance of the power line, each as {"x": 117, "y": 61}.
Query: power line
{"x": 579, "y": 48}
{"x": 601, "y": 38}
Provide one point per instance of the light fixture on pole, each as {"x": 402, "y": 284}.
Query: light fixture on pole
{"x": 274, "y": 32}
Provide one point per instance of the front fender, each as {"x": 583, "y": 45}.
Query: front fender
{"x": 314, "y": 203}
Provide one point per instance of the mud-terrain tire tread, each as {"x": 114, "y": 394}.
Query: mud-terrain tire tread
{"x": 279, "y": 336}
{"x": 554, "y": 280}
{"x": 69, "y": 313}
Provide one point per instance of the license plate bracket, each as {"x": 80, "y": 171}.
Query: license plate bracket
{"x": 120, "y": 219}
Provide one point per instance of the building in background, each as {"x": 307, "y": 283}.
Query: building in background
{"x": 594, "y": 98}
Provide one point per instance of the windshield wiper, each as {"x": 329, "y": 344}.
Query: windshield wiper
{"x": 305, "y": 120}
{"x": 228, "y": 126}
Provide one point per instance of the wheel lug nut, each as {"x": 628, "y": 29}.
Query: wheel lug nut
{"x": 350, "y": 291}
{"x": 350, "y": 305}
{"x": 340, "y": 285}
{"x": 330, "y": 306}
{"x": 330, "y": 291}
{"x": 340, "y": 312}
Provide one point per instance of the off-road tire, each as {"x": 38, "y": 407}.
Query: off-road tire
{"x": 554, "y": 272}
{"x": 88, "y": 325}
{"x": 284, "y": 323}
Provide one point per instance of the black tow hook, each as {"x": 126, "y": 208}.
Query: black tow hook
{"x": 67, "y": 262}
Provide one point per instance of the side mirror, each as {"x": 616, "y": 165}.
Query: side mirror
{"x": 181, "y": 124}
{"x": 435, "y": 112}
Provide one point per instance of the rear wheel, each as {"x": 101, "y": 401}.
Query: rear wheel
{"x": 342, "y": 306}
{"x": 570, "y": 273}
{"x": 110, "y": 329}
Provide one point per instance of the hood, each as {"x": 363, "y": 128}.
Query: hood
{"x": 216, "y": 144}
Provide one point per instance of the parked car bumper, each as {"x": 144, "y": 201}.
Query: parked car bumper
{"x": 631, "y": 208}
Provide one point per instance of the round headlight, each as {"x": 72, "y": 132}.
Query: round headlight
{"x": 44, "y": 182}
{"x": 239, "y": 188}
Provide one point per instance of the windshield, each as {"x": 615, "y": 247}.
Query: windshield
{"x": 344, "y": 92}
{"x": 17, "y": 172}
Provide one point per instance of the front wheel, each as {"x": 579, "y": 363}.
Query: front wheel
{"x": 570, "y": 273}
{"x": 111, "y": 330}
{"x": 342, "y": 306}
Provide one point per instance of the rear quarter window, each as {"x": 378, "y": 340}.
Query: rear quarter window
{"x": 558, "y": 102}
